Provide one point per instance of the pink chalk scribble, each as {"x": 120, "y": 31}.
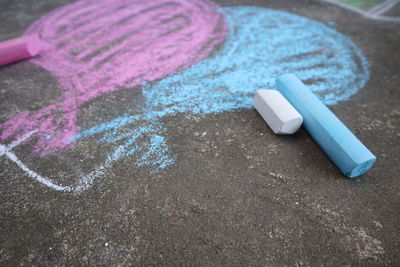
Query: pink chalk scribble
{"x": 95, "y": 47}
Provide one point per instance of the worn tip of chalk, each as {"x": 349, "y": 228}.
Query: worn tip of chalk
{"x": 361, "y": 168}
{"x": 34, "y": 45}
{"x": 277, "y": 112}
{"x": 337, "y": 141}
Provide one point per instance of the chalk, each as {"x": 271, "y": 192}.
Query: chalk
{"x": 277, "y": 112}
{"x": 338, "y": 142}
{"x": 19, "y": 48}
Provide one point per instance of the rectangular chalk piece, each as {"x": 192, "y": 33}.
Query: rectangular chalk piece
{"x": 20, "y": 48}
{"x": 277, "y": 112}
{"x": 338, "y": 142}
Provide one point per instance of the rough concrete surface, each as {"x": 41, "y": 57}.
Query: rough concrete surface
{"x": 237, "y": 195}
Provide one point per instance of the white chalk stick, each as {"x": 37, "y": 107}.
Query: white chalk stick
{"x": 277, "y": 112}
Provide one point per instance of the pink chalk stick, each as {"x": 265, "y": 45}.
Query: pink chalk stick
{"x": 19, "y": 48}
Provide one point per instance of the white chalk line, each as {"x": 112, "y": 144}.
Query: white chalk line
{"x": 20, "y": 140}
{"x": 383, "y": 7}
{"x": 376, "y": 16}
{"x": 85, "y": 182}
{"x": 376, "y": 8}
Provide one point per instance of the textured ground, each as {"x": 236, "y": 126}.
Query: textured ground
{"x": 237, "y": 194}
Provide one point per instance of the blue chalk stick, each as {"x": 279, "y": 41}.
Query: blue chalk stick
{"x": 338, "y": 142}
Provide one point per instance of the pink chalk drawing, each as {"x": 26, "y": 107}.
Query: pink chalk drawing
{"x": 96, "y": 47}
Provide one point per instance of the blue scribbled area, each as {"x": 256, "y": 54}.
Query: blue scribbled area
{"x": 129, "y": 138}
{"x": 261, "y": 45}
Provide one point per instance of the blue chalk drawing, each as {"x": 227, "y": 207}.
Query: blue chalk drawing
{"x": 142, "y": 139}
{"x": 261, "y": 45}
